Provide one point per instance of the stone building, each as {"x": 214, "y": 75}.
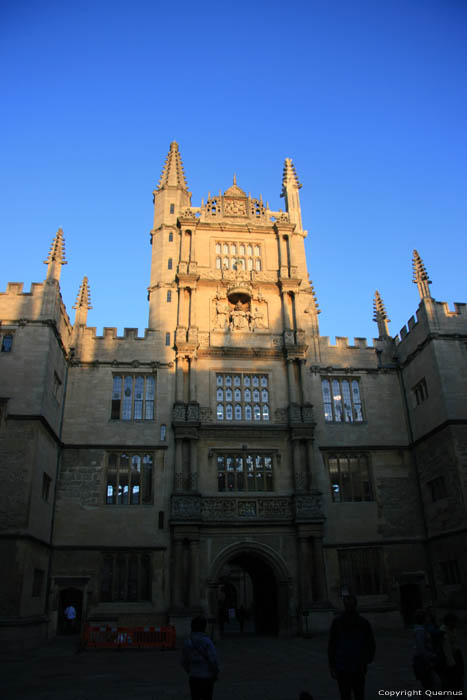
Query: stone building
{"x": 231, "y": 456}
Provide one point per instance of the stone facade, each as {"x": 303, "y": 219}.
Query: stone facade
{"x": 231, "y": 456}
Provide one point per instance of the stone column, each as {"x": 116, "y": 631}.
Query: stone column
{"x": 319, "y": 575}
{"x": 193, "y": 379}
{"x": 309, "y": 464}
{"x": 192, "y": 307}
{"x": 178, "y": 470}
{"x": 291, "y": 382}
{"x": 299, "y": 481}
{"x": 194, "y": 573}
{"x": 193, "y": 464}
{"x": 284, "y": 263}
{"x": 178, "y": 574}
{"x": 179, "y": 379}
{"x": 304, "y": 572}
{"x": 304, "y": 382}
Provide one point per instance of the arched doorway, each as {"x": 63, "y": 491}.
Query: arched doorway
{"x": 74, "y": 597}
{"x": 253, "y": 580}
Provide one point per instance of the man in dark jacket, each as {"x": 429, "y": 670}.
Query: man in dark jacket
{"x": 351, "y": 648}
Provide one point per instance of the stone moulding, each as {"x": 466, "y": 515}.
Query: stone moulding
{"x": 247, "y": 508}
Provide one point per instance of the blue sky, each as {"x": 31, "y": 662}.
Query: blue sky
{"x": 368, "y": 99}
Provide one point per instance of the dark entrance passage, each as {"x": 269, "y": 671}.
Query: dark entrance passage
{"x": 411, "y": 600}
{"x": 74, "y": 597}
{"x": 248, "y": 589}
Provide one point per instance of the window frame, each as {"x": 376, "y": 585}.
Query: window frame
{"x": 364, "y": 558}
{"x": 228, "y": 260}
{"x": 450, "y": 572}
{"x": 366, "y": 486}
{"x": 330, "y": 407}
{"x": 240, "y": 458}
{"x": 420, "y": 392}
{"x": 226, "y": 408}
{"x": 118, "y": 476}
{"x": 6, "y": 346}
{"x": 119, "y": 404}
{"x": 115, "y": 587}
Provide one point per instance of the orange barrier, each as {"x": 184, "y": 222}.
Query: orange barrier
{"x": 107, "y": 637}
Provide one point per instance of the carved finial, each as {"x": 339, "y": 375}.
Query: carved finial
{"x": 172, "y": 172}
{"x": 83, "y": 300}
{"x": 235, "y": 179}
{"x": 289, "y": 177}
{"x": 420, "y": 276}
{"x": 57, "y": 250}
{"x": 380, "y": 316}
{"x": 56, "y": 257}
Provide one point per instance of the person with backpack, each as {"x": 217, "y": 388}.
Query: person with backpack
{"x": 199, "y": 659}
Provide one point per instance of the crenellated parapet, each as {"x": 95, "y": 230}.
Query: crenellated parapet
{"x": 433, "y": 319}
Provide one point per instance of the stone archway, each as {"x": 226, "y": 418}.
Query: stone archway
{"x": 270, "y": 586}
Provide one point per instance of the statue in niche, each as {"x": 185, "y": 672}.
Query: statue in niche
{"x": 222, "y": 313}
{"x": 240, "y": 317}
{"x": 257, "y": 319}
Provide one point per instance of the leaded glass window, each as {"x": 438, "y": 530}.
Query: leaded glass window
{"x": 129, "y": 478}
{"x": 350, "y": 477}
{"x": 133, "y": 397}
{"x": 238, "y": 256}
{"x": 342, "y": 401}
{"x": 241, "y": 402}
{"x": 246, "y": 471}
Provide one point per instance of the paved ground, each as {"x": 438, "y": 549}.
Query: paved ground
{"x": 253, "y": 668}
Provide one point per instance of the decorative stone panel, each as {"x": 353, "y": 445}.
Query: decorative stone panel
{"x": 309, "y": 506}
{"x": 217, "y": 509}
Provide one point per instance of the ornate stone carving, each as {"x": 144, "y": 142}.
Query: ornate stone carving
{"x": 182, "y": 268}
{"x": 219, "y": 508}
{"x": 205, "y": 414}
{"x": 300, "y": 334}
{"x": 193, "y": 268}
{"x": 179, "y": 412}
{"x": 307, "y": 413}
{"x": 280, "y": 415}
{"x": 235, "y": 207}
{"x": 193, "y": 335}
{"x": 289, "y": 338}
{"x": 187, "y": 213}
{"x": 203, "y": 340}
{"x": 277, "y": 341}
{"x": 275, "y": 508}
{"x": 309, "y": 506}
{"x": 193, "y": 412}
{"x": 246, "y": 509}
{"x": 186, "y": 507}
{"x": 295, "y": 413}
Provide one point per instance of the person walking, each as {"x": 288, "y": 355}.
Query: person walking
{"x": 424, "y": 658}
{"x": 70, "y": 619}
{"x": 199, "y": 659}
{"x": 351, "y": 648}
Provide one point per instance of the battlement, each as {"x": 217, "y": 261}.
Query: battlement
{"x": 110, "y": 333}
{"x": 16, "y": 288}
{"x": 435, "y": 317}
{"x": 343, "y": 342}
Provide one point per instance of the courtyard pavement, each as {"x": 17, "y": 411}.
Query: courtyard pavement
{"x": 252, "y": 668}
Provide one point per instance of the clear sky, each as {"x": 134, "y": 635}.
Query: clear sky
{"x": 367, "y": 97}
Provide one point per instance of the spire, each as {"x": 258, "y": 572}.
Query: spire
{"x": 56, "y": 257}
{"x": 289, "y": 177}
{"x": 420, "y": 276}
{"x": 83, "y": 303}
{"x": 290, "y": 188}
{"x": 83, "y": 300}
{"x": 173, "y": 174}
{"x": 380, "y": 316}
